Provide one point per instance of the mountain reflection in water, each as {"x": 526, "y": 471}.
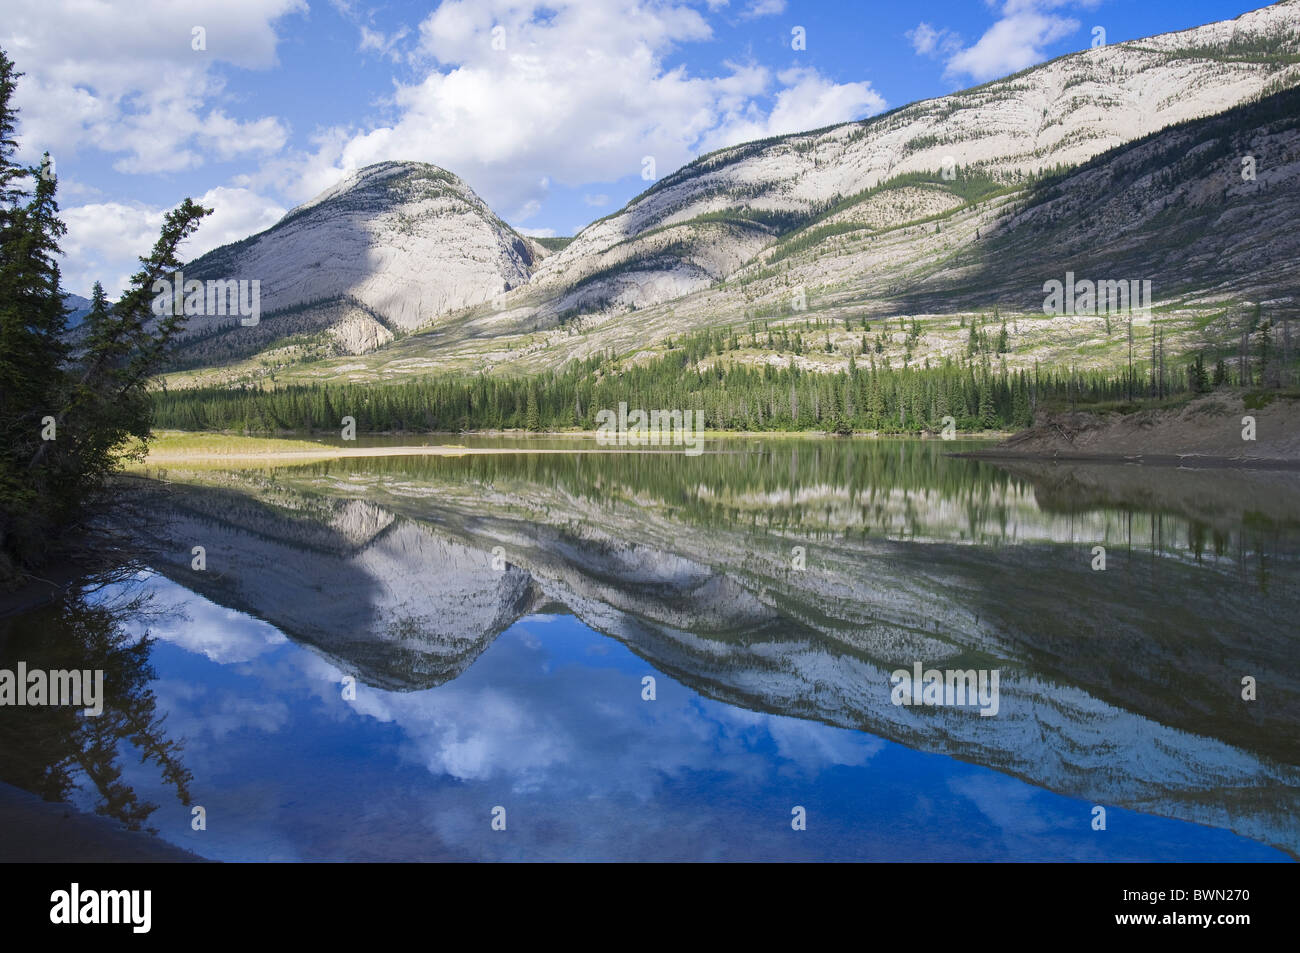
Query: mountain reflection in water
{"x": 499, "y": 614}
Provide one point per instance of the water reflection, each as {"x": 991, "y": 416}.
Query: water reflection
{"x": 550, "y": 724}
{"x": 500, "y": 611}
{"x": 53, "y": 750}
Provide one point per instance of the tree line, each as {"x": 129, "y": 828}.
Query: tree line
{"x": 868, "y": 395}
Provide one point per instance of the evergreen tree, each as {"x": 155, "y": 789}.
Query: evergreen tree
{"x": 532, "y": 417}
{"x": 64, "y": 416}
{"x": 1197, "y": 378}
{"x": 1021, "y": 415}
{"x": 987, "y": 412}
{"x": 11, "y": 175}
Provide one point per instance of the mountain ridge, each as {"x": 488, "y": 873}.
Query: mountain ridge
{"x": 745, "y": 210}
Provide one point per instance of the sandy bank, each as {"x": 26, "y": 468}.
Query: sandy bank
{"x": 336, "y": 453}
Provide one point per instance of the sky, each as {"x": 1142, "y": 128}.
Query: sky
{"x": 548, "y": 110}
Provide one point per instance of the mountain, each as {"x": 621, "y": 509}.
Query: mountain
{"x": 390, "y": 248}
{"x": 78, "y": 307}
{"x": 704, "y": 221}
{"x": 1121, "y": 158}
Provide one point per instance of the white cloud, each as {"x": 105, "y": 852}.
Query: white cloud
{"x": 372, "y": 41}
{"x": 200, "y": 626}
{"x": 807, "y": 100}
{"x": 926, "y": 40}
{"x": 578, "y": 96}
{"x": 384, "y": 44}
{"x": 105, "y": 239}
{"x": 125, "y": 78}
{"x": 1012, "y": 44}
{"x": 236, "y": 213}
{"x": 596, "y": 201}
{"x": 535, "y": 232}
{"x": 763, "y": 8}
{"x": 528, "y": 210}
{"x": 1017, "y": 40}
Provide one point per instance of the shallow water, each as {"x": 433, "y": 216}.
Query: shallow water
{"x": 499, "y": 616}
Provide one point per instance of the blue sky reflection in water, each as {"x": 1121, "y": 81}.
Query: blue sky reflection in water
{"x": 549, "y": 723}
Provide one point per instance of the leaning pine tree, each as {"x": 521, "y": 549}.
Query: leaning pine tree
{"x": 68, "y": 412}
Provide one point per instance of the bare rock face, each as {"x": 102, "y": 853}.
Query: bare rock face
{"x": 1063, "y": 112}
{"x": 406, "y": 240}
{"x": 400, "y": 246}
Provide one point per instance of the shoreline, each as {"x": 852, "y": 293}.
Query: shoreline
{"x": 1226, "y": 429}
{"x": 1181, "y": 461}
{"x": 239, "y": 448}
{"x": 41, "y": 831}
{"x": 592, "y": 434}
{"x": 339, "y": 453}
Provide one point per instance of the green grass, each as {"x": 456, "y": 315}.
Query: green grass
{"x": 178, "y": 442}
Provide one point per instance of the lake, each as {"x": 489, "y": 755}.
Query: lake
{"x": 654, "y": 656}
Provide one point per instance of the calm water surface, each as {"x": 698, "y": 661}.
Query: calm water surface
{"x": 380, "y": 653}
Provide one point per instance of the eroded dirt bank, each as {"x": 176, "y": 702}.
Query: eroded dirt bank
{"x": 1209, "y": 431}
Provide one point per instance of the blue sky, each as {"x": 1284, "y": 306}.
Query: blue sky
{"x": 547, "y": 110}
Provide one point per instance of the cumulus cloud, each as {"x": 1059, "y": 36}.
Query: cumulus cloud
{"x": 105, "y": 239}
{"x": 568, "y": 92}
{"x": 806, "y": 100}
{"x": 100, "y": 238}
{"x": 1012, "y": 44}
{"x": 1017, "y": 40}
{"x": 127, "y": 78}
{"x": 512, "y": 96}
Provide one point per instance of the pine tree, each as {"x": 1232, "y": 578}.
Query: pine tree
{"x": 65, "y": 417}
{"x": 987, "y": 411}
{"x": 876, "y": 403}
{"x": 1197, "y": 378}
{"x": 11, "y": 175}
{"x": 532, "y": 418}
{"x": 1020, "y": 407}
